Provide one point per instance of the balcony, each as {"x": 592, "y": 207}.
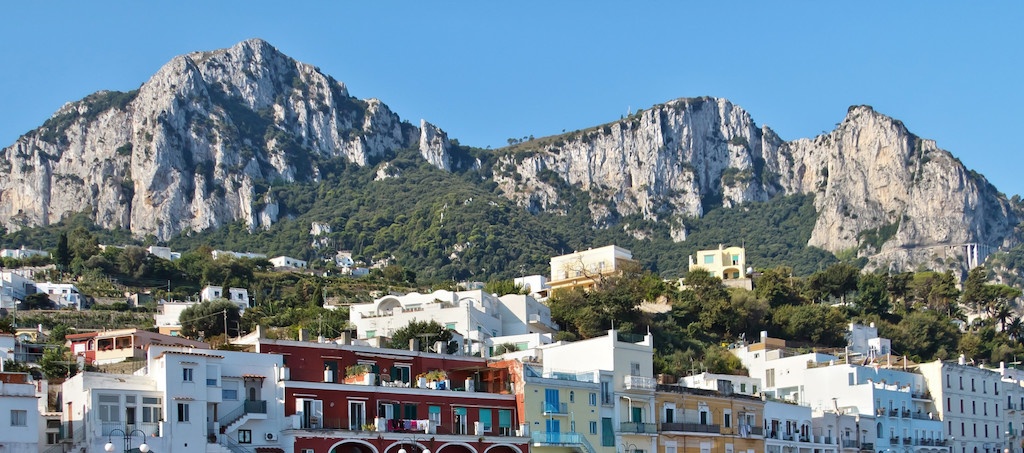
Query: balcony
{"x": 632, "y": 382}
{"x": 638, "y": 428}
{"x": 894, "y": 440}
{"x": 851, "y": 443}
{"x": 906, "y": 413}
{"x": 757, "y": 431}
{"x": 867, "y": 446}
{"x": 555, "y": 408}
{"x": 908, "y": 441}
{"x": 894, "y": 412}
{"x": 692, "y": 428}
{"x": 553, "y": 439}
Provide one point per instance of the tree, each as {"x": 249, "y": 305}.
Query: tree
{"x": 63, "y": 253}
{"x": 836, "y": 280}
{"x": 815, "y": 323}
{"x": 207, "y": 319}
{"x": 7, "y": 325}
{"x": 775, "y": 286}
{"x": 427, "y": 332}
{"x": 503, "y": 287}
{"x": 872, "y": 295}
{"x": 38, "y": 301}
{"x": 57, "y": 363}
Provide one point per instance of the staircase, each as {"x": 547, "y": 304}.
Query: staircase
{"x": 249, "y": 410}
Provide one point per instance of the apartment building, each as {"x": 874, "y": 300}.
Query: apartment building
{"x": 973, "y": 404}
{"x": 584, "y": 269}
{"x": 695, "y": 420}
{"x": 342, "y": 397}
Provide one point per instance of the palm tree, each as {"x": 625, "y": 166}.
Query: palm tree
{"x": 1002, "y": 312}
{"x": 1015, "y": 328}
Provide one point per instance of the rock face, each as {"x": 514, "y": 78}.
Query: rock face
{"x": 879, "y": 190}
{"x": 196, "y": 146}
{"x": 199, "y": 144}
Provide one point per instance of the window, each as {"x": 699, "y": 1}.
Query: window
{"x": 186, "y": 374}
{"x": 593, "y": 427}
{"x": 505, "y": 422}
{"x": 110, "y": 408}
{"x": 769, "y": 377}
{"x": 634, "y": 368}
{"x": 211, "y": 382}
{"x": 151, "y": 410}
{"x": 19, "y": 417}
{"x": 229, "y": 394}
{"x": 709, "y": 259}
{"x": 727, "y": 419}
{"x": 434, "y": 414}
{"x": 245, "y": 436}
{"x": 593, "y": 399}
{"x": 743, "y": 387}
{"x": 485, "y": 419}
{"x": 183, "y": 412}
{"x": 371, "y": 333}
{"x": 356, "y": 415}
{"x": 572, "y": 396}
{"x": 947, "y": 381}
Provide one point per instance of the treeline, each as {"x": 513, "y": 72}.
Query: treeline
{"x": 923, "y": 313}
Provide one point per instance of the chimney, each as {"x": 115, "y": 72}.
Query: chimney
{"x": 414, "y": 344}
{"x": 303, "y": 335}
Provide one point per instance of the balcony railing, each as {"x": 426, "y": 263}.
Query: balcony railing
{"x": 560, "y": 439}
{"x": 757, "y": 430}
{"x": 851, "y": 443}
{"x": 906, "y": 413}
{"x": 247, "y": 407}
{"x": 691, "y": 428}
{"x": 554, "y": 407}
{"x": 867, "y": 446}
{"x": 638, "y": 428}
{"x": 640, "y": 383}
{"x": 907, "y": 441}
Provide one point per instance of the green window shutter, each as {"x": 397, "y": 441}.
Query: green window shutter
{"x": 485, "y": 419}
{"x": 460, "y": 411}
{"x": 410, "y": 412}
{"x": 607, "y": 432}
{"x": 504, "y": 418}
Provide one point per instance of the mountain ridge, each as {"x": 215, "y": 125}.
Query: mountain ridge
{"x": 197, "y": 146}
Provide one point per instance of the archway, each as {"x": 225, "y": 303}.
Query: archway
{"x": 353, "y": 446}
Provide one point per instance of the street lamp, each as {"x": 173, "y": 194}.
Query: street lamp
{"x": 408, "y": 440}
{"x": 127, "y": 440}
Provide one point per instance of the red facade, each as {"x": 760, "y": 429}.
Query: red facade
{"x": 395, "y": 399}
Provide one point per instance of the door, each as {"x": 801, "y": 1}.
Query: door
{"x": 553, "y": 428}
{"x": 638, "y": 415}
{"x": 551, "y": 400}
{"x": 316, "y": 416}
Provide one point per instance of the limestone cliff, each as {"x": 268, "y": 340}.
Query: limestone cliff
{"x": 879, "y": 190}
{"x": 196, "y": 146}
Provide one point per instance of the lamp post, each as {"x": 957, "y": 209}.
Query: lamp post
{"x": 413, "y": 441}
{"x": 143, "y": 447}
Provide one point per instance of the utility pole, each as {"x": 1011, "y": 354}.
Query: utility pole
{"x": 225, "y": 312}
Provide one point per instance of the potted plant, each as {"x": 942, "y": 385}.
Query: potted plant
{"x": 359, "y": 374}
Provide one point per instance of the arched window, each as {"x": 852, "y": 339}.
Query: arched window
{"x": 879, "y": 431}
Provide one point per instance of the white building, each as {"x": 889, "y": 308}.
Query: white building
{"x": 287, "y": 261}
{"x": 22, "y": 253}
{"x": 477, "y": 315}
{"x": 167, "y": 318}
{"x": 864, "y": 340}
{"x": 62, "y": 294}
{"x": 624, "y": 369}
{"x": 240, "y": 296}
{"x": 584, "y": 269}
{"x": 973, "y": 404}
{"x": 163, "y": 252}
{"x": 180, "y": 401}
{"x": 724, "y": 383}
{"x": 788, "y": 428}
{"x": 235, "y": 255}
{"x": 19, "y": 414}
{"x": 13, "y": 288}
{"x": 535, "y": 285}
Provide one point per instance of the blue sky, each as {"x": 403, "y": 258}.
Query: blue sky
{"x": 488, "y": 71}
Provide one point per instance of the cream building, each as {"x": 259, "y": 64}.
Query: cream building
{"x": 726, "y": 263}
{"x": 584, "y": 269}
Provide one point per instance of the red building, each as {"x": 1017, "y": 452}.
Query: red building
{"x": 359, "y": 399}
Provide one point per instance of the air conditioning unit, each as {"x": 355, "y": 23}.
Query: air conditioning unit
{"x": 271, "y": 436}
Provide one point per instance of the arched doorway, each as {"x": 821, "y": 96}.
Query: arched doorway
{"x": 353, "y": 446}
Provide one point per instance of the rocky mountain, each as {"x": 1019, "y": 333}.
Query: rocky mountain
{"x": 198, "y": 145}
{"x": 880, "y": 191}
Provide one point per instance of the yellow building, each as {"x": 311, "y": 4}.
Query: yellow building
{"x": 727, "y": 263}
{"x": 563, "y": 411}
{"x": 584, "y": 269}
{"x": 694, "y": 420}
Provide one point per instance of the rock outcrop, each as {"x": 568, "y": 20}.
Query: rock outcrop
{"x": 201, "y": 142}
{"x": 196, "y": 146}
{"x": 880, "y": 191}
